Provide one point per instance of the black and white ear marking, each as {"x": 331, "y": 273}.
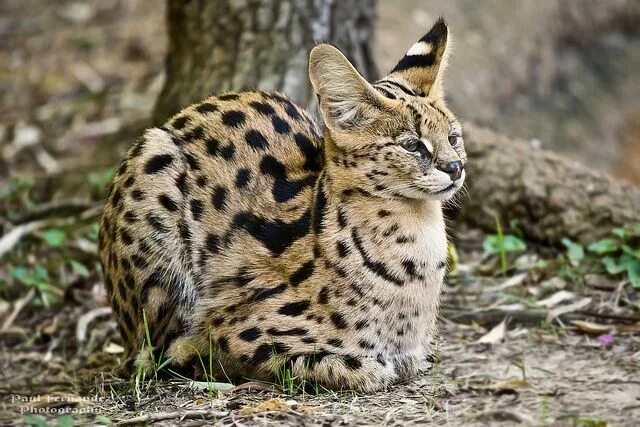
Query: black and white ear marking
{"x": 429, "y": 49}
{"x": 421, "y": 67}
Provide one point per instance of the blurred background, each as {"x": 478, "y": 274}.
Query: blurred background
{"x": 561, "y": 74}
{"x": 80, "y": 80}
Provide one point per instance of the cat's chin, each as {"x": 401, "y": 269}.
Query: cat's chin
{"x": 446, "y": 193}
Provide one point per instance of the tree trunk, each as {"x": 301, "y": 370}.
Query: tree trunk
{"x": 549, "y": 196}
{"x": 224, "y": 45}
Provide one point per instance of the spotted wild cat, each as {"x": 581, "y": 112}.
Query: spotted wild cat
{"x": 238, "y": 224}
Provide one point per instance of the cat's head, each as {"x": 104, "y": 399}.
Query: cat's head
{"x": 396, "y": 137}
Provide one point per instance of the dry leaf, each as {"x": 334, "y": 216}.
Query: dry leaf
{"x": 113, "y": 348}
{"x": 567, "y": 309}
{"x": 495, "y": 335}
{"x": 556, "y": 298}
{"x": 271, "y": 405}
{"x": 510, "y": 384}
{"x": 591, "y": 327}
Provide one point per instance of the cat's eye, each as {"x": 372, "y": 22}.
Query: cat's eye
{"x": 411, "y": 145}
{"x": 454, "y": 140}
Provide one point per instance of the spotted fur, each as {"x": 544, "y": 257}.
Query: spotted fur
{"x": 237, "y": 227}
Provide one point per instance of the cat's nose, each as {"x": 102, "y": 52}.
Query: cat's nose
{"x": 453, "y": 169}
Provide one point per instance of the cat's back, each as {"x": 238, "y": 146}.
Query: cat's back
{"x": 238, "y": 160}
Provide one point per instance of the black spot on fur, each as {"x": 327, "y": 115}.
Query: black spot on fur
{"x": 291, "y": 110}
{"x": 266, "y": 352}
{"x": 217, "y": 321}
{"x": 137, "y": 195}
{"x": 342, "y": 218}
{"x": 223, "y": 344}
{"x": 139, "y": 261}
{"x": 250, "y": 334}
{"x": 219, "y": 198}
{"x": 212, "y": 243}
{"x": 168, "y": 203}
{"x": 338, "y": 320}
{"x": 277, "y": 235}
{"x": 180, "y": 122}
{"x": 130, "y": 217}
{"x": 196, "y": 209}
{"x": 263, "y": 294}
{"x": 292, "y": 331}
{"x": 243, "y": 177}
{"x": 319, "y": 209}
{"x": 126, "y": 238}
{"x": 229, "y": 97}
{"x": 213, "y": 145}
{"x": 182, "y": 183}
{"x": 294, "y": 308}
{"x": 383, "y": 213}
{"x": 129, "y": 181}
{"x": 233, "y": 118}
{"x": 441, "y": 264}
{"x": 256, "y": 139}
{"x": 366, "y": 345}
{"x": 228, "y": 152}
{"x": 351, "y": 362}
{"x": 280, "y": 125}
{"x": 206, "y": 107}
{"x": 195, "y": 134}
{"x": 302, "y": 274}
{"x": 156, "y": 223}
{"x": 157, "y": 163}
{"x": 308, "y": 340}
{"x": 283, "y": 189}
{"x": 193, "y": 163}
{"x": 310, "y": 152}
{"x": 334, "y": 342}
{"x": 376, "y": 267}
{"x": 323, "y": 296}
{"x": 361, "y": 324}
{"x": 262, "y": 108}
{"x": 343, "y": 249}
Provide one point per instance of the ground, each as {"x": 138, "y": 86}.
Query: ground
{"x": 546, "y": 340}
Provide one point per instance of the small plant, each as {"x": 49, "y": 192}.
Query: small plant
{"x": 616, "y": 255}
{"x": 503, "y": 244}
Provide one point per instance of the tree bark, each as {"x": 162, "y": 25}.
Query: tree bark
{"x": 549, "y": 196}
{"x": 225, "y": 45}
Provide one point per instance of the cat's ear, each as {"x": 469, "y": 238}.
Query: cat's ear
{"x": 423, "y": 66}
{"x": 347, "y": 100}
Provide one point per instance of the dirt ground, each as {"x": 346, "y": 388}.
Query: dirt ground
{"x": 543, "y": 343}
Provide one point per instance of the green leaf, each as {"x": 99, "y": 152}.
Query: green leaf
{"x": 66, "y": 421}
{"x": 34, "y": 420}
{"x": 513, "y": 244}
{"x": 491, "y": 244}
{"x": 633, "y": 268}
{"x": 630, "y": 251}
{"x": 619, "y": 232}
{"x": 575, "y": 251}
{"x": 604, "y": 246}
{"x": 94, "y": 231}
{"x": 54, "y": 238}
{"x": 79, "y": 268}
{"x": 104, "y": 420}
{"x": 510, "y": 243}
{"x": 613, "y": 265}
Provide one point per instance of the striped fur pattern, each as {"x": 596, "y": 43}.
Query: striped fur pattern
{"x": 237, "y": 227}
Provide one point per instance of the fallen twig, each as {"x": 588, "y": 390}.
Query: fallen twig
{"x": 17, "y": 308}
{"x": 86, "y": 319}
{"x": 180, "y": 415}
